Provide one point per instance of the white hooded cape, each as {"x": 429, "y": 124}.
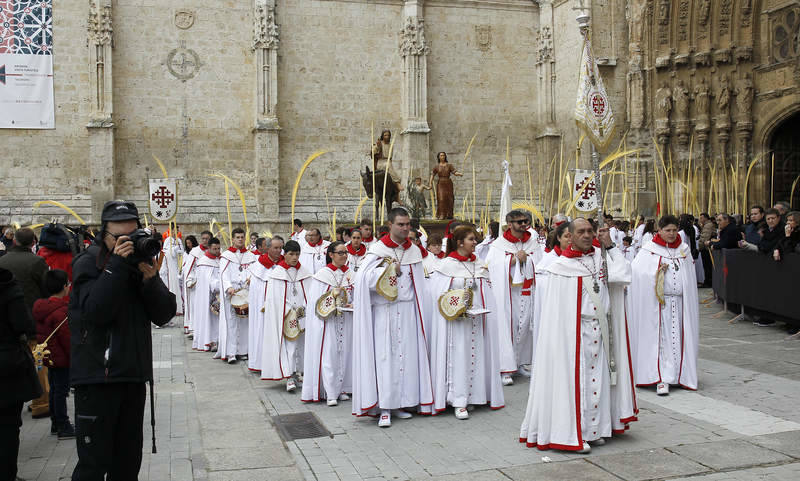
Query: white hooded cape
{"x": 170, "y": 271}
{"x": 553, "y": 417}
{"x": 313, "y": 258}
{"x": 232, "y": 277}
{"x": 205, "y": 322}
{"x": 328, "y": 343}
{"x": 188, "y": 272}
{"x": 256, "y": 302}
{"x": 646, "y": 315}
{"x": 465, "y": 358}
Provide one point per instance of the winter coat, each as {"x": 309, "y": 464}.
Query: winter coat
{"x": 729, "y": 238}
{"x": 48, "y": 314}
{"x": 110, "y": 312}
{"x": 17, "y": 372}
{"x": 770, "y": 238}
{"x": 57, "y": 259}
{"x": 28, "y": 269}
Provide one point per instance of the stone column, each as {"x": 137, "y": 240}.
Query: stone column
{"x": 549, "y": 136}
{"x": 265, "y": 163}
{"x": 101, "y": 126}
{"x": 413, "y": 52}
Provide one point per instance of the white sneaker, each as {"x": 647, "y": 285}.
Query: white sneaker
{"x": 462, "y": 413}
{"x": 344, "y": 397}
{"x": 586, "y": 449}
{"x": 597, "y": 442}
{"x": 662, "y": 389}
{"x": 507, "y": 380}
{"x": 290, "y": 385}
{"x": 216, "y": 355}
{"x": 385, "y": 420}
{"x": 524, "y": 370}
{"x": 333, "y": 402}
{"x": 232, "y": 360}
{"x": 299, "y": 376}
{"x": 214, "y": 347}
{"x": 402, "y": 414}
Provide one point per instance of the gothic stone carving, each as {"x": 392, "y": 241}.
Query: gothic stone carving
{"x": 266, "y": 32}
{"x": 744, "y": 102}
{"x": 663, "y": 106}
{"x": 483, "y": 37}
{"x": 545, "y": 42}
{"x": 183, "y": 63}
{"x": 701, "y": 106}
{"x": 100, "y": 24}
{"x": 184, "y": 18}
{"x": 723, "y": 118}
{"x": 663, "y": 21}
{"x": 412, "y": 37}
{"x": 725, "y": 8}
{"x": 680, "y": 97}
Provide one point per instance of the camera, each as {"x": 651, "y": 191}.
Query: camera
{"x": 145, "y": 246}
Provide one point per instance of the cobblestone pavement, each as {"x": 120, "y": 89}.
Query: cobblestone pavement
{"x": 213, "y": 423}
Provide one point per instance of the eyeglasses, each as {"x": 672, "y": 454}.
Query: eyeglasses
{"x": 521, "y": 221}
{"x": 341, "y": 253}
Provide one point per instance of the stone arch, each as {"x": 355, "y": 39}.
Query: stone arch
{"x": 779, "y": 138}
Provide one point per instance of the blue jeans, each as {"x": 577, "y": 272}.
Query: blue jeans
{"x": 59, "y": 387}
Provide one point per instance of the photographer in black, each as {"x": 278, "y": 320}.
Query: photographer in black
{"x": 116, "y": 294}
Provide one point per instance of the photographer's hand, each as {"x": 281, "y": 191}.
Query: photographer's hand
{"x": 147, "y": 270}
{"x": 123, "y": 247}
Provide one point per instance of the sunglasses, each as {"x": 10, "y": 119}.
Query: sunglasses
{"x": 521, "y": 222}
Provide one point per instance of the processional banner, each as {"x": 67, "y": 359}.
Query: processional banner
{"x": 26, "y": 64}
{"x": 592, "y": 109}
{"x": 587, "y": 197}
{"x": 163, "y": 199}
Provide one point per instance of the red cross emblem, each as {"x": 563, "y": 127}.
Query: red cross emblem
{"x": 589, "y": 191}
{"x": 328, "y": 302}
{"x": 163, "y": 197}
{"x": 392, "y": 281}
{"x": 598, "y": 104}
{"x": 453, "y": 300}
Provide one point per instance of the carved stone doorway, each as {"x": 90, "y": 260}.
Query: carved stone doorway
{"x": 785, "y": 144}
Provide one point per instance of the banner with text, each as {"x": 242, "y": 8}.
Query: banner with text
{"x": 26, "y": 64}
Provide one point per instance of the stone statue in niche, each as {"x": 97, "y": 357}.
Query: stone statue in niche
{"x": 704, "y": 11}
{"x": 663, "y": 12}
{"x": 637, "y": 23}
{"x": 723, "y": 96}
{"x": 744, "y": 96}
{"x": 701, "y": 100}
{"x": 663, "y": 102}
{"x": 680, "y": 95}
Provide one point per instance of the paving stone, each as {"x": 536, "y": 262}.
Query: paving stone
{"x": 271, "y": 474}
{"x": 650, "y": 464}
{"x": 729, "y": 454}
{"x": 786, "y": 443}
{"x": 563, "y": 471}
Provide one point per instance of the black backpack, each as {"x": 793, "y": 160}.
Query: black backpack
{"x": 60, "y": 238}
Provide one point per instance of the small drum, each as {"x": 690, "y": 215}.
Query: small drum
{"x": 240, "y": 302}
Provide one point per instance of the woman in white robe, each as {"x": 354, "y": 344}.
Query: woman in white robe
{"x": 329, "y": 339}
{"x": 281, "y": 353}
{"x": 206, "y": 286}
{"x": 356, "y": 250}
{"x": 259, "y": 277}
{"x": 665, "y": 332}
{"x": 465, "y": 360}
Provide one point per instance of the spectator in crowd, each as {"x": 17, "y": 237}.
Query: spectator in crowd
{"x": 50, "y": 314}
{"x": 772, "y": 232}
{"x": 752, "y": 234}
{"x": 8, "y": 238}
{"x": 18, "y": 376}
{"x": 790, "y": 242}
{"x": 783, "y": 208}
{"x": 189, "y": 243}
{"x": 728, "y": 237}
{"x": 707, "y": 231}
{"x": 686, "y": 232}
{"x": 649, "y": 231}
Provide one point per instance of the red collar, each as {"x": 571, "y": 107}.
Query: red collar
{"x": 315, "y": 245}
{"x": 235, "y": 250}
{"x": 334, "y": 268}
{"x": 360, "y": 252}
{"x": 423, "y": 250}
{"x": 286, "y": 266}
{"x": 507, "y": 235}
{"x": 203, "y": 248}
{"x": 455, "y": 255}
{"x": 256, "y": 253}
{"x": 558, "y": 250}
{"x": 441, "y": 255}
{"x": 547, "y": 250}
{"x": 208, "y": 254}
{"x": 674, "y": 245}
{"x": 571, "y": 253}
{"x": 265, "y": 260}
{"x": 387, "y": 240}
{"x": 596, "y": 242}
{"x": 368, "y": 239}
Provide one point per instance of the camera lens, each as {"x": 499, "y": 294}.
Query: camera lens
{"x": 147, "y": 247}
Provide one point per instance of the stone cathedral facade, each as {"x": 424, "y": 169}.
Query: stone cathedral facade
{"x": 251, "y": 88}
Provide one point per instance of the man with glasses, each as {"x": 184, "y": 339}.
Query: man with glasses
{"x": 511, "y": 262}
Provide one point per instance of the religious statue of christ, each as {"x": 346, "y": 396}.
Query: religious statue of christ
{"x": 444, "y": 186}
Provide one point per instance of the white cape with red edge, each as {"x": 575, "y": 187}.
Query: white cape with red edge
{"x": 256, "y": 302}
{"x": 365, "y": 372}
{"x": 232, "y": 277}
{"x": 465, "y": 357}
{"x": 646, "y": 315}
{"x": 553, "y": 415}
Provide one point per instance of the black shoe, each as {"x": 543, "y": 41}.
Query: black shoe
{"x": 67, "y": 431}
{"x": 53, "y": 427}
{"x": 764, "y": 323}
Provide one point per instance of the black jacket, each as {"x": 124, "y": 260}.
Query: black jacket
{"x": 28, "y": 269}
{"x": 788, "y": 245}
{"x": 17, "y": 372}
{"x": 109, "y": 318}
{"x": 770, "y": 239}
{"x": 729, "y": 238}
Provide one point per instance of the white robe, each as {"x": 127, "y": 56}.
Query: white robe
{"x": 233, "y": 330}
{"x": 188, "y": 272}
{"x": 205, "y": 322}
{"x": 665, "y": 338}
{"x": 354, "y": 261}
{"x": 286, "y": 289}
{"x": 542, "y": 275}
{"x": 328, "y": 343}
{"x": 637, "y": 237}
{"x": 390, "y": 353}
{"x": 429, "y": 263}
{"x": 513, "y": 288}
{"x": 571, "y": 399}
{"x": 299, "y": 237}
{"x": 256, "y": 312}
{"x": 313, "y": 258}
{"x": 465, "y": 356}
{"x": 170, "y": 271}
{"x": 482, "y": 249}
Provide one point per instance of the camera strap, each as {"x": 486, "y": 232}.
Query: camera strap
{"x": 152, "y": 416}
